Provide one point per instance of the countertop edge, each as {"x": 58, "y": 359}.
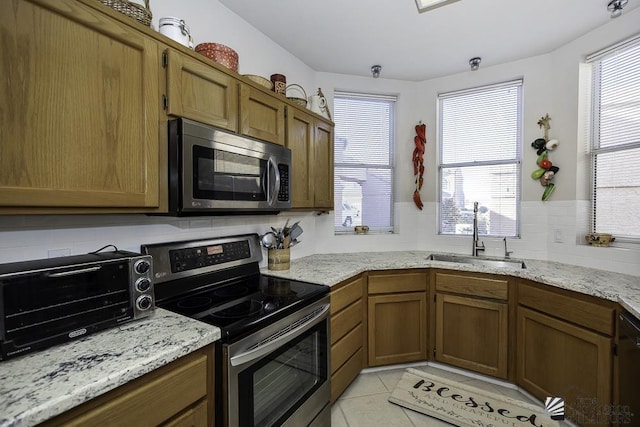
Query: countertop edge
{"x": 332, "y": 269}
{"x": 39, "y": 405}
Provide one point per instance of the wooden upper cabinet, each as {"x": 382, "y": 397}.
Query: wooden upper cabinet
{"x": 200, "y": 92}
{"x": 311, "y": 142}
{"x": 80, "y": 110}
{"x": 300, "y": 137}
{"x": 261, "y": 115}
{"x": 323, "y": 165}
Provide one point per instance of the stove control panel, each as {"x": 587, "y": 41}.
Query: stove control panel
{"x": 203, "y": 256}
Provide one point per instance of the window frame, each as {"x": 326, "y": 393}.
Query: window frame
{"x": 392, "y": 99}
{"x": 595, "y": 61}
{"x": 517, "y": 161}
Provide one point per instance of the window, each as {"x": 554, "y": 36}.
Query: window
{"x": 615, "y": 141}
{"x": 479, "y": 159}
{"x": 363, "y": 161}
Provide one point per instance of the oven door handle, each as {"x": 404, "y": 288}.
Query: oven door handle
{"x": 271, "y": 344}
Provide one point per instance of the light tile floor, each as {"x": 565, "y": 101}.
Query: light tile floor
{"x": 365, "y": 403}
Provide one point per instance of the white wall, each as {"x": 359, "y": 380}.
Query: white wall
{"x": 551, "y": 86}
{"x": 211, "y": 22}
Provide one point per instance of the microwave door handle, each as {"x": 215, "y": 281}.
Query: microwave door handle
{"x": 271, "y": 198}
{"x": 74, "y": 272}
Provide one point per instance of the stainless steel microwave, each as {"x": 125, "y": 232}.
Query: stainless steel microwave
{"x": 212, "y": 171}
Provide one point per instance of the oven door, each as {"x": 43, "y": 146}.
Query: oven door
{"x": 280, "y": 376}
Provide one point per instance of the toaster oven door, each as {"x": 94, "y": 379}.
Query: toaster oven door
{"x": 45, "y": 307}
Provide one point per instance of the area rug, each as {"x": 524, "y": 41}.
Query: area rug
{"x": 465, "y": 405}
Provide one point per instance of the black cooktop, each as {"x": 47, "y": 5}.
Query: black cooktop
{"x": 218, "y": 281}
{"x": 246, "y": 304}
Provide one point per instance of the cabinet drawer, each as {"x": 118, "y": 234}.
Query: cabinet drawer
{"x": 346, "y": 320}
{"x": 195, "y": 416}
{"x": 345, "y": 348}
{"x": 347, "y": 294}
{"x": 575, "y": 310}
{"x": 397, "y": 282}
{"x": 159, "y": 395}
{"x": 472, "y": 285}
{"x": 341, "y": 379}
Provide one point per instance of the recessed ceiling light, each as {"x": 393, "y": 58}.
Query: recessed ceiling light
{"x": 425, "y": 5}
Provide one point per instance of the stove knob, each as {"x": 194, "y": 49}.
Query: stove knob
{"x": 142, "y": 266}
{"x": 144, "y": 302}
{"x": 143, "y": 284}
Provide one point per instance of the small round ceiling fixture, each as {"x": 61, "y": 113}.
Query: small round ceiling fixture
{"x": 616, "y": 6}
{"x": 375, "y": 71}
{"x": 475, "y": 63}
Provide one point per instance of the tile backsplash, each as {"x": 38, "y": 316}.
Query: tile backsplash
{"x": 549, "y": 231}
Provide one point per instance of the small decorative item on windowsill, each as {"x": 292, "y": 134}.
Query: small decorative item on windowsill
{"x": 602, "y": 240}
{"x": 546, "y": 170}
{"x": 278, "y": 242}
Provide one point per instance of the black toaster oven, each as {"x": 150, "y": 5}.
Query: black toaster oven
{"x": 50, "y": 301}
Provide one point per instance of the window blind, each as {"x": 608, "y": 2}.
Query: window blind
{"x": 615, "y": 143}
{"x": 363, "y": 161}
{"x": 480, "y": 155}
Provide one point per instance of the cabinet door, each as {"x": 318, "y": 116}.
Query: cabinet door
{"x": 472, "y": 333}
{"x": 300, "y": 140}
{"x": 556, "y": 358}
{"x": 177, "y": 394}
{"x": 261, "y": 115}
{"x": 80, "y": 108}
{"x": 323, "y": 166}
{"x": 397, "y": 328}
{"x": 200, "y": 92}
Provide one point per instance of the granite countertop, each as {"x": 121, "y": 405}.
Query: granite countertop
{"x": 331, "y": 269}
{"x": 40, "y": 385}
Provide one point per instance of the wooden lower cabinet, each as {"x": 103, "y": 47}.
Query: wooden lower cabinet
{"x": 179, "y": 394}
{"x": 397, "y": 316}
{"x": 565, "y": 348}
{"x": 471, "y": 321}
{"x": 472, "y": 333}
{"x": 347, "y": 334}
{"x": 397, "y": 328}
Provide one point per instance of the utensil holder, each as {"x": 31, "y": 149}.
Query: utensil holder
{"x": 278, "y": 259}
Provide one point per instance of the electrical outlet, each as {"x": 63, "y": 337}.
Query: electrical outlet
{"x": 55, "y": 253}
{"x": 558, "y": 236}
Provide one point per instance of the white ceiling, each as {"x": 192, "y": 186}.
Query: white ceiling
{"x": 349, "y": 36}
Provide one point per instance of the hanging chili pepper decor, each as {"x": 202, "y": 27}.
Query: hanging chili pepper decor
{"x": 420, "y": 141}
{"x": 546, "y": 170}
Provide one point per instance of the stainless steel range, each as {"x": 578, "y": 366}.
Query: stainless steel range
{"x": 272, "y": 363}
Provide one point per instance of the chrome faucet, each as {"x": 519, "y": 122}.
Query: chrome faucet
{"x": 506, "y": 252}
{"x": 476, "y": 248}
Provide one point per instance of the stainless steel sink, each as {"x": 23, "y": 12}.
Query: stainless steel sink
{"x": 489, "y": 262}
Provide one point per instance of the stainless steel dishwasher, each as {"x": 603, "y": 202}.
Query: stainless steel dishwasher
{"x": 629, "y": 364}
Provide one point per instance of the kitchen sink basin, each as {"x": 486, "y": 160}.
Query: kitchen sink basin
{"x": 489, "y": 262}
